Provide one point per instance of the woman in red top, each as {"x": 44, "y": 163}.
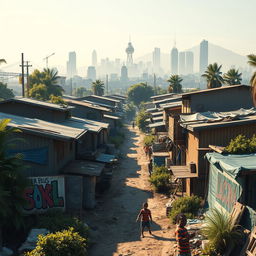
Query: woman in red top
{"x": 145, "y": 216}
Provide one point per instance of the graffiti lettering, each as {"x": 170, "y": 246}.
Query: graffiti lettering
{"x": 43, "y": 196}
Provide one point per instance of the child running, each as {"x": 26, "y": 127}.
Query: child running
{"x": 182, "y": 236}
{"x": 146, "y": 218}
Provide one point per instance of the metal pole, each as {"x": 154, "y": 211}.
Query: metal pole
{"x": 22, "y": 75}
{"x": 27, "y": 66}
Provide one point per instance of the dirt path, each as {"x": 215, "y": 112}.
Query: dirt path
{"x": 113, "y": 221}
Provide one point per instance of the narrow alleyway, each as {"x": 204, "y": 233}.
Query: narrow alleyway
{"x": 113, "y": 221}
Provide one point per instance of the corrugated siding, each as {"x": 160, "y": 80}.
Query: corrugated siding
{"x": 192, "y": 152}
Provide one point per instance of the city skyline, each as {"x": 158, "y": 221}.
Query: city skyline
{"x": 109, "y": 35}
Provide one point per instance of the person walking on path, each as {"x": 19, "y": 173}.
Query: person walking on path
{"x": 133, "y": 124}
{"x": 150, "y": 167}
{"x": 182, "y": 236}
{"x": 146, "y": 218}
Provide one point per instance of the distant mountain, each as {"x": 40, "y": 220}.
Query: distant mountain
{"x": 217, "y": 54}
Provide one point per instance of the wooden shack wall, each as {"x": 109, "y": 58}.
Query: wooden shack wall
{"x": 86, "y": 112}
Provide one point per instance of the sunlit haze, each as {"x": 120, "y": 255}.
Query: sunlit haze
{"x": 39, "y": 28}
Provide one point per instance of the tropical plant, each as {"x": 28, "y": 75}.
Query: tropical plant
{"x": 175, "y": 84}
{"x": 160, "y": 179}
{"x": 148, "y": 140}
{"x": 66, "y": 242}
{"x": 213, "y": 76}
{"x": 252, "y": 62}
{"x": 141, "y": 120}
{"x": 188, "y": 205}
{"x": 232, "y": 77}
{"x": 220, "y": 231}
{"x": 12, "y": 182}
{"x": 5, "y": 93}
{"x": 141, "y": 92}
{"x": 58, "y": 100}
{"x": 130, "y": 111}
{"x": 242, "y": 145}
{"x": 44, "y": 84}
{"x": 98, "y": 87}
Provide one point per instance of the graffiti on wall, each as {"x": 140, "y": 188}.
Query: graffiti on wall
{"x": 45, "y": 193}
{"x": 228, "y": 192}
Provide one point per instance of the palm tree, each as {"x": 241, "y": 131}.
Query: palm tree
{"x": 98, "y": 87}
{"x": 232, "y": 77}
{"x": 213, "y": 76}
{"x": 12, "y": 182}
{"x": 2, "y": 61}
{"x": 252, "y": 62}
{"x": 175, "y": 84}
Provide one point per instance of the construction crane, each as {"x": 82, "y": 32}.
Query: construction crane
{"x": 46, "y": 59}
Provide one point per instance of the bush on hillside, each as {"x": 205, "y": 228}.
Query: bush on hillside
{"x": 160, "y": 179}
{"x": 56, "y": 220}
{"x": 148, "y": 140}
{"x": 62, "y": 243}
{"x": 242, "y": 145}
{"x": 188, "y": 205}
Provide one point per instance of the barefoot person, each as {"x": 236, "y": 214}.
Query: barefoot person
{"x": 182, "y": 236}
{"x": 146, "y": 218}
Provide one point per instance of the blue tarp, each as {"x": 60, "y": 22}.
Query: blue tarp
{"x": 36, "y": 155}
{"x": 233, "y": 165}
{"x": 105, "y": 158}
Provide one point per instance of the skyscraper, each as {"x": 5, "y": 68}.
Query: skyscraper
{"x": 189, "y": 63}
{"x": 156, "y": 59}
{"x": 182, "y": 63}
{"x": 129, "y": 51}
{"x": 203, "y": 56}
{"x": 94, "y": 58}
{"x": 91, "y": 73}
{"x": 124, "y": 74}
{"x": 71, "y": 65}
{"x": 174, "y": 61}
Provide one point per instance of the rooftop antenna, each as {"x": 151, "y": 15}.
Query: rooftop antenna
{"x": 47, "y": 57}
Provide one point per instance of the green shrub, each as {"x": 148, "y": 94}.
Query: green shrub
{"x": 242, "y": 145}
{"x": 130, "y": 111}
{"x": 56, "y": 220}
{"x": 65, "y": 243}
{"x": 141, "y": 120}
{"x": 220, "y": 232}
{"x": 160, "y": 179}
{"x": 118, "y": 139}
{"x": 188, "y": 205}
{"x": 148, "y": 140}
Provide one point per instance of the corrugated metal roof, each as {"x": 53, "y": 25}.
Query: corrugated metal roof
{"x": 90, "y": 125}
{"x": 88, "y": 105}
{"x": 158, "y": 124}
{"x": 159, "y": 113}
{"x": 103, "y": 98}
{"x": 39, "y": 103}
{"x": 105, "y": 158}
{"x": 42, "y": 127}
{"x": 173, "y": 99}
{"x": 171, "y": 104}
{"x": 162, "y": 95}
{"x": 99, "y": 104}
{"x": 227, "y": 87}
{"x": 112, "y": 117}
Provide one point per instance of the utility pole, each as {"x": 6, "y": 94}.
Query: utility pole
{"x": 47, "y": 57}
{"x": 27, "y": 66}
{"x": 155, "y": 84}
{"x": 22, "y": 74}
{"x": 106, "y": 84}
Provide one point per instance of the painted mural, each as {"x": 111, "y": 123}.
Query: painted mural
{"x": 45, "y": 193}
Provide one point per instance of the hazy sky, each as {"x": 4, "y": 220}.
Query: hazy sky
{"x": 40, "y": 27}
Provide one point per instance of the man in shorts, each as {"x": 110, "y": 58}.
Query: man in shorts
{"x": 146, "y": 218}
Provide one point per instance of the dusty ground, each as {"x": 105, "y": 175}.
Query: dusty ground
{"x": 115, "y": 231}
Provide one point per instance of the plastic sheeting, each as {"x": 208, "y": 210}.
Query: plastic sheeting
{"x": 233, "y": 165}
{"x": 217, "y": 116}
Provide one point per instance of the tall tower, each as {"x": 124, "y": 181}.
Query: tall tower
{"x": 71, "y": 65}
{"x": 203, "y": 56}
{"x": 129, "y": 51}
{"x": 124, "y": 74}
{"x": 91, "y": 73}
{"x": 189, "y": 62}
{"x": 174, "y": 60}
{"x": 156, "y": 59}
{"x": 94, "y": 58}
{"x": 182, "y": 63}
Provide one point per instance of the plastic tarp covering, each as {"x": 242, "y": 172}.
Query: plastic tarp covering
{"x": 223, "y": 190}
{"x": 105, "y": 158}
{"x": 233, "y": 165}
{"x": 210, "y": 116}
{"x": 36, "y": 155}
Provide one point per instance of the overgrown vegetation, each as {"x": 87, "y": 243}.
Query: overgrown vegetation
{"x": 130, "y": 111}
{"x": 66, "y": 242}
{"x": 188, "y": 205}
{"x": 220, "y": 232}
{"x": 242, "y": 145}
{"x": 160, "y": 179}
{"x": 56, "y": 220}
{"x": 117, "y": 139}
{"x": 58, "y": 100}
{"x": 5, "y": 93}
{"x": 141, "y": 120}
{"x": 148, "y": 140}
{"x": 141, "y": 92}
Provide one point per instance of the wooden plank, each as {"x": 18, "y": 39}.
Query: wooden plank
{"x": 236, "y": 214}
{"x": 251, "y": 248}
{"x": 217, "y": 148}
